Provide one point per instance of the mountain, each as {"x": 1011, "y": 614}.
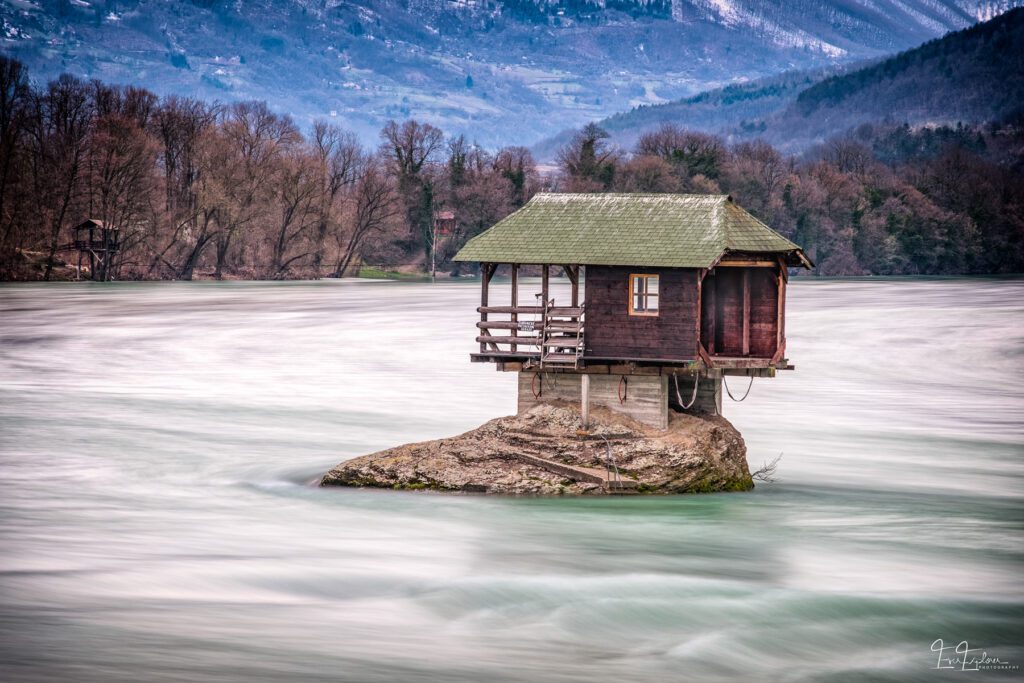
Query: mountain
{"x": 506, "y": 72}
{"x": 735, "y": 110}
{"x": 971, "y": 76}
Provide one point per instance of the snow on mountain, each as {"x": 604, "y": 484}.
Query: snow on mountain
{"x": 503, "y": 72}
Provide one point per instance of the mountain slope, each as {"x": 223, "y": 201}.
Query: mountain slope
{"x": 501, "y": 72}
{"x": 974, "y": 75}
{"x": 735, "y": 110}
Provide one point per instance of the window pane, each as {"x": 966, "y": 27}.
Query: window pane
{"x": 644, "y": 290}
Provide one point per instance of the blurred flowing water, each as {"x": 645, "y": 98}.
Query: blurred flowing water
{"x": 157, "y": 522}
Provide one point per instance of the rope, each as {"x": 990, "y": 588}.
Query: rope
{"x": 623, "y": 389}
{"x": 679, "y": 398}
{"x": 726, "y": 384}
{"x": 533, "y": 385}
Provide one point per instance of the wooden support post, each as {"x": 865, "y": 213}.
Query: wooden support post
{"x": 746, "y": 312}
{"x": 585, "y": 400}
{"x": 700, "y": 302}
{"x": 544, "y": 283}
{"x": 780, "y": 324}
{"x": 485, "y": 282}
{"x": 713, "y": 313}
{"x": 573, "y": 273}
{"x": 515, "y": 302}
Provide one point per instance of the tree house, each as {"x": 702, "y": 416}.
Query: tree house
{"x": 678, "y": 291}
{"x": 100, "y": 243}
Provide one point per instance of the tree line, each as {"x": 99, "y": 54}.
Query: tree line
{"x": 883, "y": 199}
{"x": 200, "y": 189}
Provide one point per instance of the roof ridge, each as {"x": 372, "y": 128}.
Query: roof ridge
{"x": 637, "y": 229}
{"x": 721, "y": 197}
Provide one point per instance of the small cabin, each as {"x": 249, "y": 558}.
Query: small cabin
{"x": 99, "y": 242}
{"x": 681, "y": 288}
{"x": 94, "y": 235}
{"x": 445, "y": 223}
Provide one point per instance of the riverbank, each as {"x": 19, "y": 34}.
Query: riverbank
{"x": 30, "y": 266}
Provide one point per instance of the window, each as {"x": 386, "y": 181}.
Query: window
{"x": 643, "y": 295}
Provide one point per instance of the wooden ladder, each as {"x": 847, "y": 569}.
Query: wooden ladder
{"x": 561, "y": 335}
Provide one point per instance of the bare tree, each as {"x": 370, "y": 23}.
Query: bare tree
{"x": 517, "y": 165}
{"x": 14, "y": 100}
{"x": 647, "y": 174}
{"x": 587, "y": 161}
{"x": 375, "y": 204}
{"x": 338, "y": 156}
{"x": 181, "y": 125}
{"x": 249, "y": 145}
{"x": 120, "y": 179}
{"x": 410, "y": 148}
{"x": 691, "y": 153}
{"x": 297, "y": 192}
{"x": 59, "y": 133}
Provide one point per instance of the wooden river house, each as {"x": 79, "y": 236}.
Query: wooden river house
{"x": 669, "y": 294}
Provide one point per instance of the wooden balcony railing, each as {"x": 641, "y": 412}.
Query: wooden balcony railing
{"x": 556, "y": 332}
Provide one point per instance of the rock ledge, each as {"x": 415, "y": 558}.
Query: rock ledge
{"x": 542, "y": 451}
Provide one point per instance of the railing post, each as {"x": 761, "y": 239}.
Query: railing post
{"x": 485, "y": 281}
{"x": 515, "y": 304}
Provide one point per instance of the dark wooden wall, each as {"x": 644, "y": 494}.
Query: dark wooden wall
{"x": 611, "y": 332}
{"x": 722, "y": 311}
{"x": 764, "y": 307}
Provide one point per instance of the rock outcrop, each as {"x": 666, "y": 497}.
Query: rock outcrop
{"x": 543, "y": 451}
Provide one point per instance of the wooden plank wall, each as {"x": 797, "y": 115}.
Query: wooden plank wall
{"x": 764, "y": 303}
{"x": 722, "y": 301}
{"x": 612, "y": 333}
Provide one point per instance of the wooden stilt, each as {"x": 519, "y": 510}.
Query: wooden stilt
{"x": 485, "y": 283}
{"x": 573, "y": 273}
{"x": 780, "y": 322}
{"x": 515, "y": 303}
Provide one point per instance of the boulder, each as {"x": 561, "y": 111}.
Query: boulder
{"x": 543, "y": 451}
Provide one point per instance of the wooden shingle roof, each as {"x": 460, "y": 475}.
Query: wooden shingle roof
{"x": 664, "y": 230}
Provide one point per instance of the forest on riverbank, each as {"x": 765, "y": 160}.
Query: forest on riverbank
{"x": 209, "y": 190}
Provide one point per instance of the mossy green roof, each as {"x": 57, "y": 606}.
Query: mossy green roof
{"x": 666, "y": 230}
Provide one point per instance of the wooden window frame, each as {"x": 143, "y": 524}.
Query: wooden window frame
{"x": 645, "y": 313}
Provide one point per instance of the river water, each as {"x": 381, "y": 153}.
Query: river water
{"x": 156, "y": 519}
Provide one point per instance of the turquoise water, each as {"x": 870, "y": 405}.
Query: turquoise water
{"x": 156, "y": 519}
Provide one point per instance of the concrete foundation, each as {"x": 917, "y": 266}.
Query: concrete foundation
{"x": 645, "y": 398}
{"x": 709, "y": 395}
